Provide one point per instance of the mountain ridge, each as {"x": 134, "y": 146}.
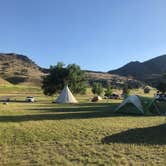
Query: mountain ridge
{"x": 19, "y": 69}
{"x": 145, "y": 71}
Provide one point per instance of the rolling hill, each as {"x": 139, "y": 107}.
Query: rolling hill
{"x": 115, "y": 80}
{"x": 149, "y": 71}
{"x": 4, "y": 82}
{"x": 19, "y": 69}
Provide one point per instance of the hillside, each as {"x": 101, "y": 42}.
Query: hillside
{"x": 19, "y": 69}
{"x": 4, "y": 82}
{"x": 115, "y": 80}
{"x": 148, "y": 71}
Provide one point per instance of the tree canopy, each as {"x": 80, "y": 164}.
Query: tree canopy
{"x": 76, "y": 79}
{"x": 161, "y": 87}
{"x": 97, "y": 88}
{"x": 108, "y": 91}
{"x": 59, "y": 76}
{"x": 125, "y": 91}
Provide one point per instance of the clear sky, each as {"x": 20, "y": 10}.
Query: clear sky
{"x": 96, "y": 34}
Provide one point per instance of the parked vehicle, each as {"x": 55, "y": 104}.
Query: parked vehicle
{"x": 30, "y": 99}
{"x": 160, "y": 97}
{"x": 115, "y": 96}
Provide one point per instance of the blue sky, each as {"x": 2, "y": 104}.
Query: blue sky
{"x": 96, "y": 34}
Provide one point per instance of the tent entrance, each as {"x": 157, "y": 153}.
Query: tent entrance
{"x": 129, "y": 108}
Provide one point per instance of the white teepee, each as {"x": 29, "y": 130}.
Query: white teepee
{"x": 66, "y": 96}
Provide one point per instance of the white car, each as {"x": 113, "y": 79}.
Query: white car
{"x": 30, "y": 99}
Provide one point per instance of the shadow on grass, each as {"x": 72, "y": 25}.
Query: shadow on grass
{"x": 81, "y": 111}
{"x": 95, "y": 107}
{"x": 155, "y": 135}
{"x": 67, "y": 112}
{"x": 13, "y": 101}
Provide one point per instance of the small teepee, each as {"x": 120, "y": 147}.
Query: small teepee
{"x": 66, "y": 96}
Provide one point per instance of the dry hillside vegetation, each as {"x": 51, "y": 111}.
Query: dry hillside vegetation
{"x": 19, "y": 69}
{"x": 116, "y": 80}
{"x": 150, "y": 71}
{"x": 104, "y": 76}
{"x": 4, "y": 82}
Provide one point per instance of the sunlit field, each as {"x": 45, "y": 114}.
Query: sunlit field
{"x": 43, "y": 133}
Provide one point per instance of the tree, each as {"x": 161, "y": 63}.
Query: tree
{"x": 108, "y": 91}
{"x": 59, "y": 76}
{"x": 76, "y": 79}
{"x": 161, "y": 87}
{"x": 97, "y": 88}
{"x": 55, "y": 80}
{"x": 147, "y": 89}
{"x": 125, "y": 91}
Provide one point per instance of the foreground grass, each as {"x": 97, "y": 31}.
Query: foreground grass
{"x": 43, "y": 133}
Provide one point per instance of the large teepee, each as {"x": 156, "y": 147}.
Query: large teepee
{"x": 131, "y": 104}
{"x": 66, "y": 96}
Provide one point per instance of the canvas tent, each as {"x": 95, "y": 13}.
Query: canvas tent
{"x": 96, "y": 98}
{"x": 66, "y": 96}
{"x": 131, "y": 104}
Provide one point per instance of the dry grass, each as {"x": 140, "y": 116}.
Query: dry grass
{"x": 43, "y": 133}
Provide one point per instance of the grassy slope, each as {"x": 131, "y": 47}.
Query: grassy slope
{"x": 83, "y": 134}
{"x": 4, "y": 82}
{"x": 19, "y": 69}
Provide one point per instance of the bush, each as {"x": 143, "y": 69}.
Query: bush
{"x": 97, "y": 88}
{"x": 161, "y": 87}
{"x": 126, "y": 91}
{"x": 147, "y": 89}
{"x": 108, "y": 91}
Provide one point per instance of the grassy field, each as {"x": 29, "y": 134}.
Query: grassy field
{"x": 43, "y": 133}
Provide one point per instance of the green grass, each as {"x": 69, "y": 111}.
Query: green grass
{"x": 43, "y": 133}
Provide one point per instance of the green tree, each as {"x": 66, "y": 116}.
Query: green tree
{"x": 55, "y": 80}
{"x": 161, "y": 87}
{"x": 97, "y": 88}
{"x": 76, "y": 79}
{"x": 125, "y": 91}
{"x": 59, "y": 76}
{"x": 108, "y": 91}
{"x": 147, "y": 89}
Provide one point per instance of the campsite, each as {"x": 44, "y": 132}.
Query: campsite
{"x": 85, "y": 133}
{"x": 83, "y": 83}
